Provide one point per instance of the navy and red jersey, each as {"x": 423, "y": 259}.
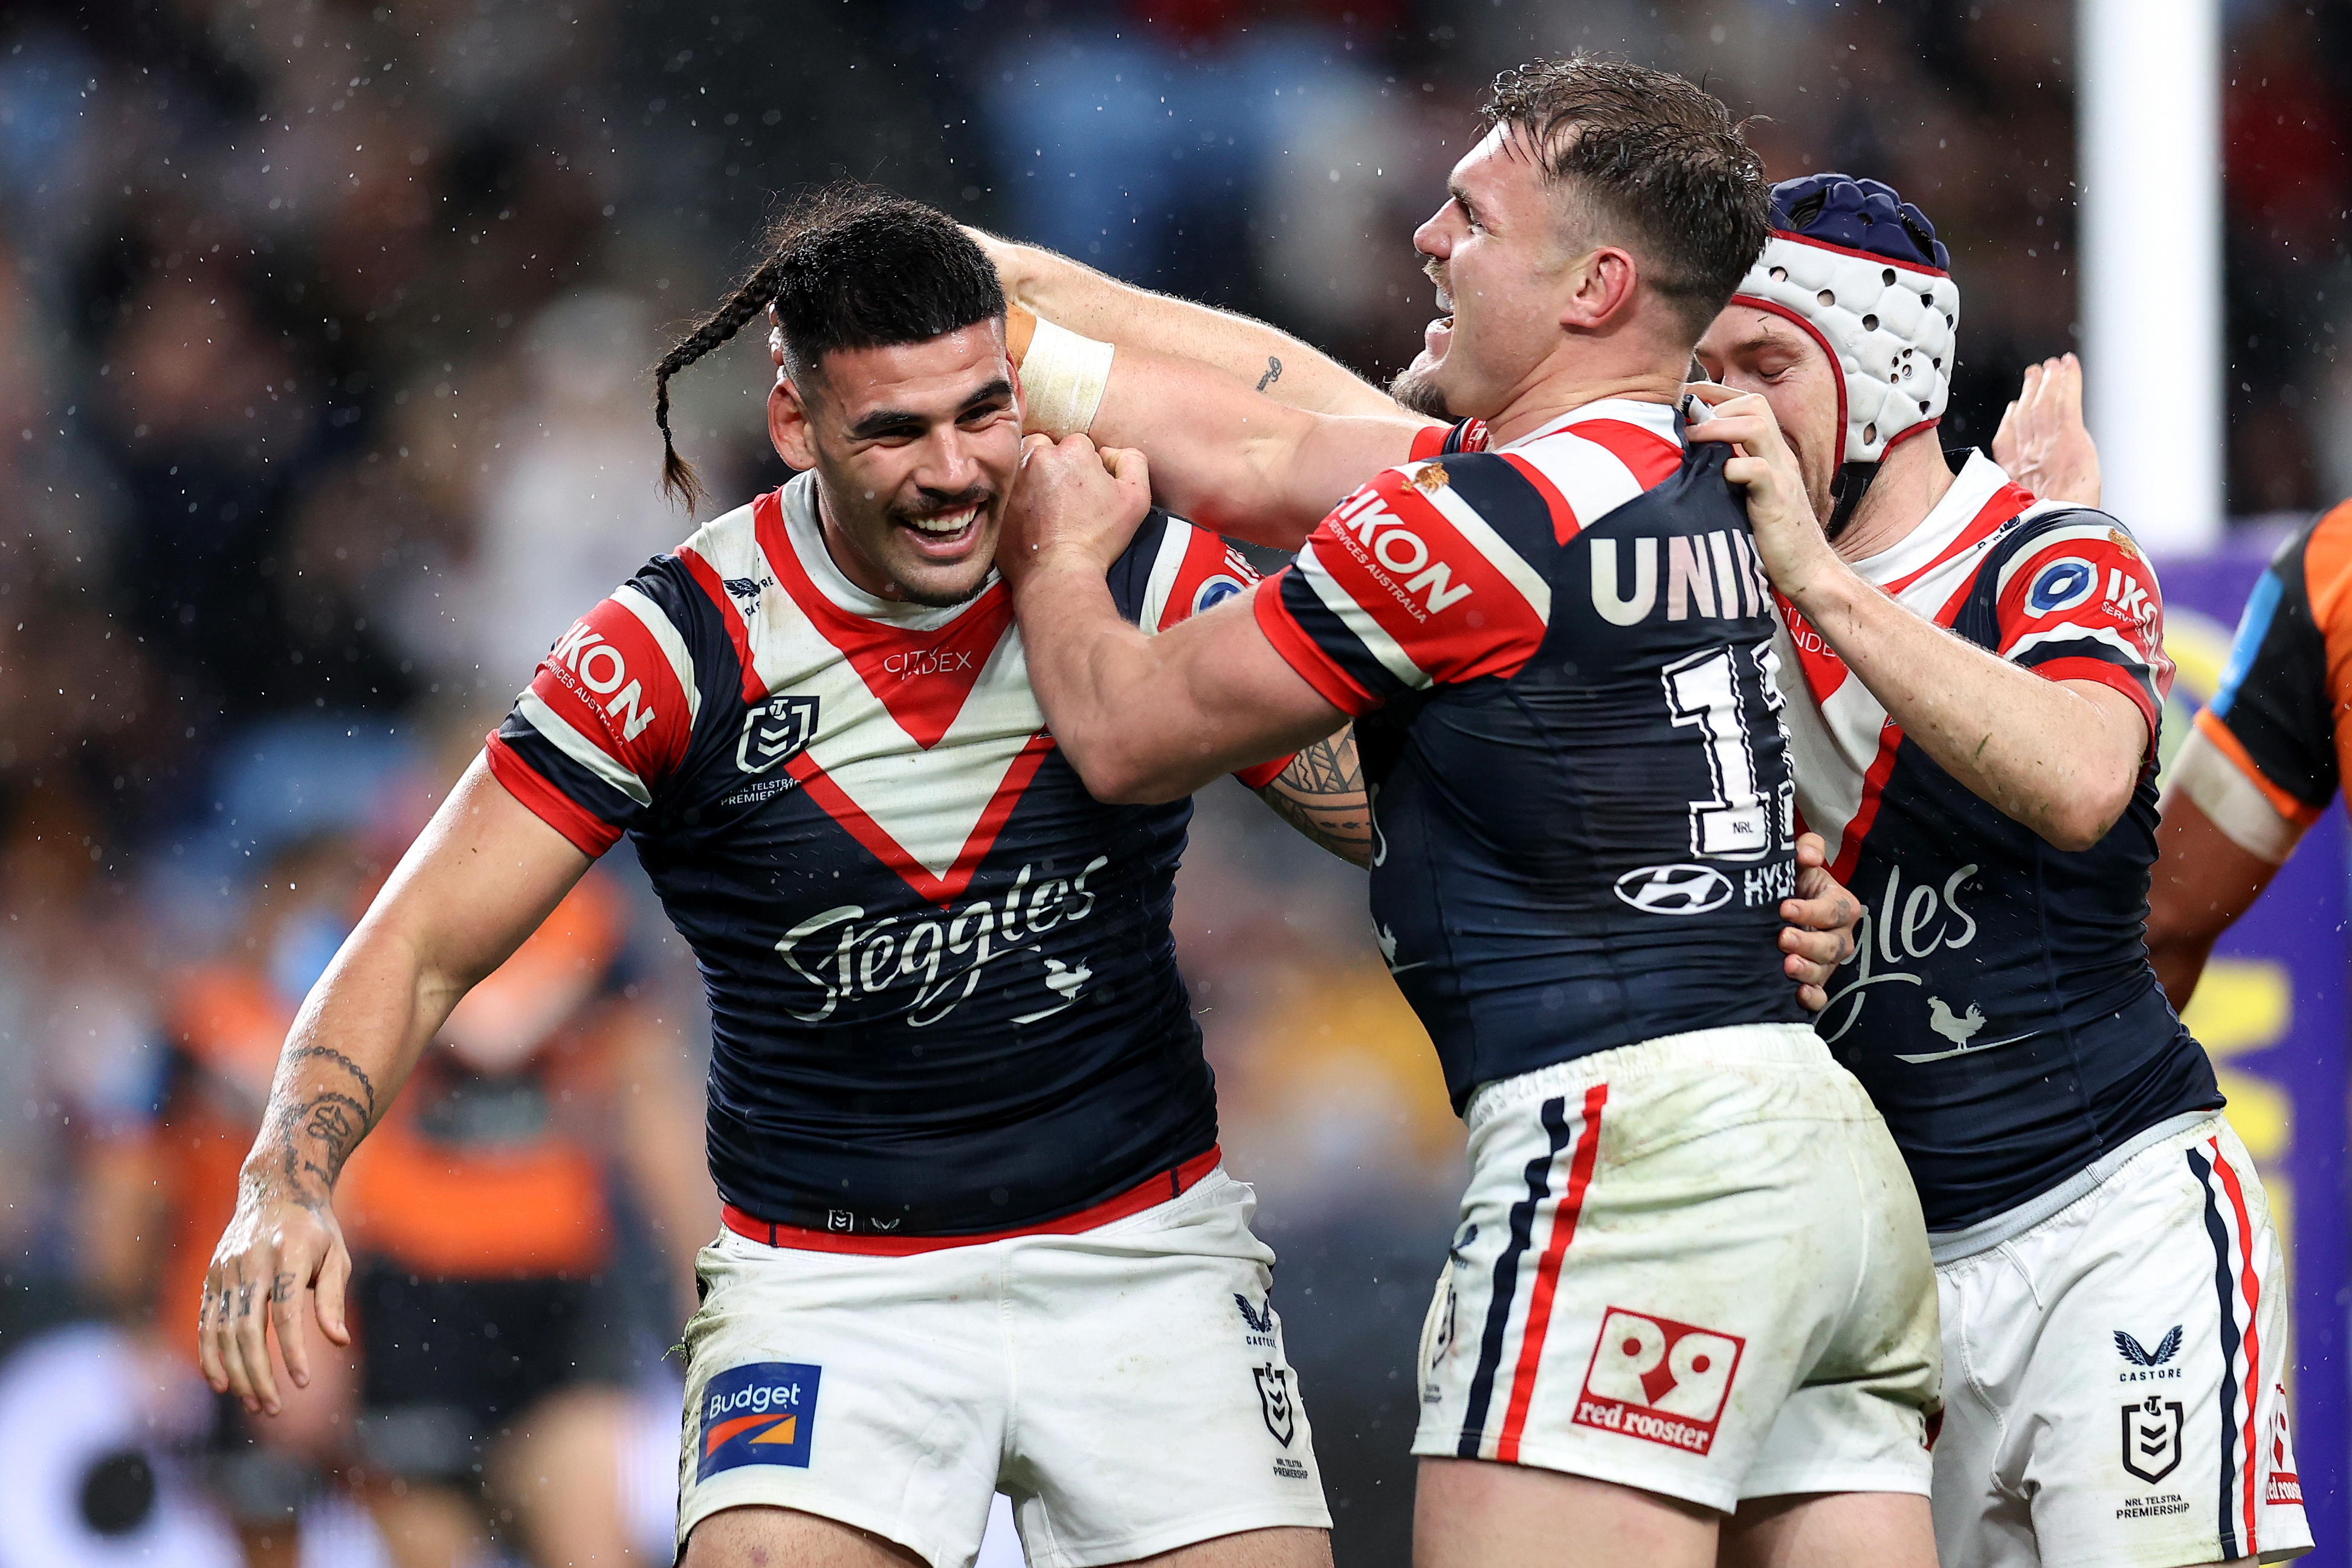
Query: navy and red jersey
{"x": 2282, "y": 717}
{"x": 1559, "y": 655}
{"x": 942, "y": 983}
{"x": 2000, "y": 1007}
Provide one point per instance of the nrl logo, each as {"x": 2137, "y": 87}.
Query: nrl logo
{"x": 1274, "y": 1402}
{"x": 775, "y": 731}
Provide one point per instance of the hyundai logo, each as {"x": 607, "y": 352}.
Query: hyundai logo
{"x": 1675, "y": 889}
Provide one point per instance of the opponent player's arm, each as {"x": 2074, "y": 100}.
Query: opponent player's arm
{"x": 480, "y": 878}
{"x": 1094, "y": 305}
{"x": 2061, "y": 757}
{"x": 2203, "y": 880}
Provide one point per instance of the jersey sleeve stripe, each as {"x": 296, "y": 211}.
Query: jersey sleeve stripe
{"x": 585, "y": 831}
{"x": 1277, "y": 604}
{"x": 2132, "y": 682}
{"x": 706, "y": 576}
{"x": 666, "y": 637}
{"x": 2214, "y": 729}
{"x": 1358, "y": 623}
{"x": 559, "y": 732}
{"x": 1160, "y": 584}
{"x": 1429, "y": 441}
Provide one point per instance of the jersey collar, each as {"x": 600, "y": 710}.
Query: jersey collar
{"x": 1946, "y": 528}
{"x": 806, "y": 534}
{"x": 1658, "y": 418}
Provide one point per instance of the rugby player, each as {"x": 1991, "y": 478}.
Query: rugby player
{"x": 2265, "y": 758}
{"x": 1689, "y": 1312}
{"x": 1981, "y": 765}
{"x": 959, "y": 1111}
{"x": 1976, "y": 730}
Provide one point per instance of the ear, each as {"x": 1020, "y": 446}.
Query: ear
{"x": 789, "y": 426}
{"x": 1601, "y": 286}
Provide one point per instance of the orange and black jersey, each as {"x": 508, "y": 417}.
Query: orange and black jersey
{"x": 2282, "y": 713}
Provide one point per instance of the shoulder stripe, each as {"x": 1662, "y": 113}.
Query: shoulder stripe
{"x": 706, "y": 577}
{"x": 666, "y": 637}
{"x": 1524, "y": 580}
{"x": 1565, "y": 524}
{"x": 559, "y": 733}
{"x": 2031, "y": 549}
{"x": 1650, "y": 457}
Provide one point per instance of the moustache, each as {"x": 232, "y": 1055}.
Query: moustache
{"x": 936, "y": 502}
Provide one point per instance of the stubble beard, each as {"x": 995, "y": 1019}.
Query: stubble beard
{"x": 1414, "y": 389}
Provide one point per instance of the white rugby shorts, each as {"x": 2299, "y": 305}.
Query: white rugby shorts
{"x": 2118, "y": 1351}
{"x": 1125, "y": 1386}
{"x": 1696, "y": 1266}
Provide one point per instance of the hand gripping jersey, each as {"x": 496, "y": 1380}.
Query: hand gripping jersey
{"x": 943, "y": 990}
{"x": 1579, "y": 779}
{"x": 2001, "y": 1009}
{"x": 2282, "y": 715}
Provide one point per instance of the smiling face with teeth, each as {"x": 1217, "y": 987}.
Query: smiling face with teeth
{"x": 914, "y": 447}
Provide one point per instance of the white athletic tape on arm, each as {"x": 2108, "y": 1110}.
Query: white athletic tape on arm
{"x": 1062, "y": 380}
{"x": 2231, "y": 800}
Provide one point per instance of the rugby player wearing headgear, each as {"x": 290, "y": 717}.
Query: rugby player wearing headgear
{"x": 1975, "y": 733}
{"x": 1688, "y": 1314}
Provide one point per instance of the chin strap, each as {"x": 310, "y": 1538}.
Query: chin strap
{"x": 1851, "y": 480}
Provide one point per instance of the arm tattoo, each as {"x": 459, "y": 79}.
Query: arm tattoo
{"x": 1321, "y": 794}
{"x": 316, "y": 1128}
{"x": 1273, "y": 373}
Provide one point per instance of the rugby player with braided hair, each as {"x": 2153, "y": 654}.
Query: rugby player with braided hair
{"x": 1973, "y": 678}
{"x": 977, "y": 1235}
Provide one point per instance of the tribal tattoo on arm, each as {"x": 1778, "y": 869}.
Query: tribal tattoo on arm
{"x": 1321, "y": 794}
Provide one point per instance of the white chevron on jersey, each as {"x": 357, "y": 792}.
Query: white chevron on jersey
{"x": 927, "y": 804}
{"x": 1840, "y": 736}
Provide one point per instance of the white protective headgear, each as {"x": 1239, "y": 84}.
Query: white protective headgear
{"x": 1862, "y": 270}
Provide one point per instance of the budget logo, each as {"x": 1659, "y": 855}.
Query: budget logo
{"x": 1657, "y": 1379}
{"x": 764, "y": 1413}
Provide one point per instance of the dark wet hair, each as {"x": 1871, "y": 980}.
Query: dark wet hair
{"x": 1656, "y": 154}
{"x": 848, "y": 266}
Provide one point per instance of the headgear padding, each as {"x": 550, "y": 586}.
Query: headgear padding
{"x": 1861, "y": 269}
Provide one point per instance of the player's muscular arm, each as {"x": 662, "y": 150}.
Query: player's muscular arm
{"x": 1321, "y": 794}
{"x": 2202, "y": 882}
{"x": 1143, "y": 719}
{"x": 1234, "y": 461}
{"x": 2061, "y": 756}
{"x": 1096, "y": 305}
{"x": 478, "y": 879}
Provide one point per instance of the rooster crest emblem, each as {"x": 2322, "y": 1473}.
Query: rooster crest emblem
{"x": 1957, "y": 1028}
{"x": 1432, "y": 479}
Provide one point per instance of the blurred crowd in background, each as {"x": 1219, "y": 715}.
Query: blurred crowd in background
{"x": 324, "y": 328}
